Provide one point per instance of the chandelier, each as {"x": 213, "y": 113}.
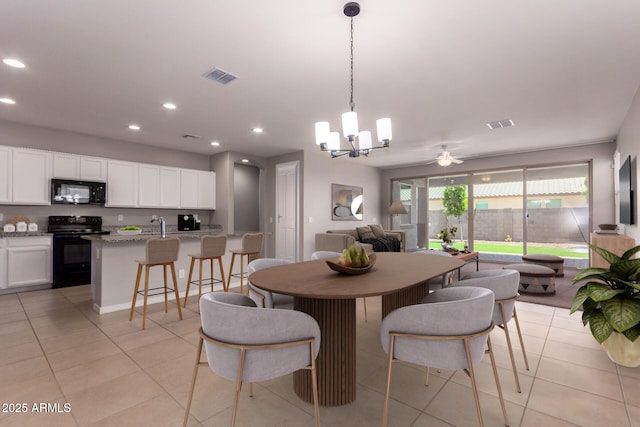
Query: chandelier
{"x": 359, "y": 141}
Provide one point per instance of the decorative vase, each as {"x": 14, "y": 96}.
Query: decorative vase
{"x": 622, "y": 351}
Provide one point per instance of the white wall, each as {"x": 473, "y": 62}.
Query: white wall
{"x": 629, "y": 145}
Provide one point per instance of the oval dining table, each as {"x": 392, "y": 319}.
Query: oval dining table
{"x": 329, "y": 297}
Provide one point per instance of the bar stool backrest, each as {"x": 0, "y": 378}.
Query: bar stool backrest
{"x": 162, "y": 250}
{"x": 252, "y": 242}
{"x": 213, "y": 246}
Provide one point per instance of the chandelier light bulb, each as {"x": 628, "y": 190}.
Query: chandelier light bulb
{"x": 350, "y": 124}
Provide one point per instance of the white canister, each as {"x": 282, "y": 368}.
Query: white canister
{"x": 9, "y": 228}
{"x": 21, "y": 226}
{"x": 32, "y": 226}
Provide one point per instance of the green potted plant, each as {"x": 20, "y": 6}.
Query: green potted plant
{"x": 447, "y": 235}
{"x": 610, "y": 300}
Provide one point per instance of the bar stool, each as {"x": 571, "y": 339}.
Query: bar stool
{"x": 158, "y": 251}
{"x": 211, "y": 247}
{"x": 251, "y": 245}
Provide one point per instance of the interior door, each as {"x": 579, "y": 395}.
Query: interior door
{"x": 287, "y": 211}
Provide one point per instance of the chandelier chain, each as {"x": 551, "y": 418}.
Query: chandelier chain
{"x": 351, "y": 103}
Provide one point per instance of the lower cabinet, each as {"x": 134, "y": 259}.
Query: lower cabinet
{"x": 26, "y": 261}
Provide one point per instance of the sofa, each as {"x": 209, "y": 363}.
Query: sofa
{"x": 337, "y": 240}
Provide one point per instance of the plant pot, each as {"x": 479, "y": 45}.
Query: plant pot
{"x": 622, "y": 351}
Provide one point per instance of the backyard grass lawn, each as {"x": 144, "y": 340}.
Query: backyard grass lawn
{"x": 515, "y": 248}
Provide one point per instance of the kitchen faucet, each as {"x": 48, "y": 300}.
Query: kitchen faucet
{"x": 163, "y": 225}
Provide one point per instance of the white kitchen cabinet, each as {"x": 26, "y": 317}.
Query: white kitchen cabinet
{"x": 31, "y": 176}
{"x": 148, "y": 186}
{"x": 66, "y": 166}
{"x": 206, "y": 190}
{"x": 3, "y": 263}
{"x": 169, "y": 187}
{"x": 28, "y": 261}
{"x": 122, "y": 184}
{"x": 189, "y": 189}
{"x": 93, "y": 169}
{"x": 5, "y": 174}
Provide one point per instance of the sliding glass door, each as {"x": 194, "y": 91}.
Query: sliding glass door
{"x": 448, "y": 208}
{"x": 412, "y": 193}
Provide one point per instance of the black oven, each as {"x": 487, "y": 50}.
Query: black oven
{"x": 72, "y": 253}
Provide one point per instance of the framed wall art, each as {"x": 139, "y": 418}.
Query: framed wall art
{"x": 346, "y": 203}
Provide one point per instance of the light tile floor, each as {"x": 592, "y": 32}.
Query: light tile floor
{"x": 54, "y": 349}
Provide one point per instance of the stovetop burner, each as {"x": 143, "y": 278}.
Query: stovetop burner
{"x": 75, "y": 225}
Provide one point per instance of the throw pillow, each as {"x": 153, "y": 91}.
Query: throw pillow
{"x": 378, "y": 231}
{"x": 365, "y": 233}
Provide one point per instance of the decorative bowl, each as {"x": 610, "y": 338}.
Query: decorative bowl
{"x": 608, "y": 226}
{"x": 351, "y": 270}
{"x": 129, "y": 232}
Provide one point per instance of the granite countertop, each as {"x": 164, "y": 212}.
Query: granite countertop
{"x": 24, "y": 234}
{"x": 146, "y": 235}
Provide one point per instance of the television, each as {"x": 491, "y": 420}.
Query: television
{"x": 627, "y": 188}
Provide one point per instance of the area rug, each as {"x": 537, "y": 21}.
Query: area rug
{"x": 564, "y": 291}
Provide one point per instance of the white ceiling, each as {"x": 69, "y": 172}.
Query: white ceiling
{"x": 565, "y": 71}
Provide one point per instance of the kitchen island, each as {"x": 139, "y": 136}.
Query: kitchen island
{"x": 114, "y": 266}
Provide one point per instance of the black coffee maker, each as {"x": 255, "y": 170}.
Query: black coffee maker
{"x": 188, "y": 222}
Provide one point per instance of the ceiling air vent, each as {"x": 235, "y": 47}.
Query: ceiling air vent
{"x": 191, "y": 136}
{"x": 505, "y": 123}
{"x": 220, "y": 76}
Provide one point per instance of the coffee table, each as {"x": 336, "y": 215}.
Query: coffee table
{"x": 467, "y": 258}
{"x": 329, "y": 297}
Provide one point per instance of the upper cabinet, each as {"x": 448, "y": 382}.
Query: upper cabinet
{"x": 197, "y": 189}
{"x": 122, "y": 184}
{"x": 5, "y": 174}
{"x": 73, "y": 166}
{"x": 169, "y": 187}
{"x": 206, "y": 190}
{"x": 31, "y": 175}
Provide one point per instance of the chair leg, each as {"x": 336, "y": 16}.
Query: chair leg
{"x": 146, "y": 292}
{"x": 225, "y": 284}
{"x": 238, "y": 387}
{"x": 200, "y": 279}
{"x": 385, "y": 411}
{"x": 495, "y": 375}
{"x": 524, "y": 353}
{"x": 314, "y": 384}
{"x": 242, "y": 271}
{"x": 166, "y": 300}
{"x": 193, "y": 382}
{"x": 505, "y": 328}
{"x": 186, "y": 294}
{"x": 426, "y": 376}
{"x": 233, "y": 258}
{"x": 364, "y": 304}
{"x": 175, "y": 289}
{"x": 135, "y": 292}
{"x": 211, "y": 272}
{"x": 474, "y": 386}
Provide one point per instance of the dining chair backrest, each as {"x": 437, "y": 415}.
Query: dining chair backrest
{"x": 252, "y": 242}
{"x": 230, "y": 318}
{"x": 262, "y": 263}
{"x": 441, "y": 315}
{"x": 213, "y": 246}
{"x": 446, "y": 278}
{"x": 162, "y": 250}
{"x": 503, "y": 283}
{"x": 325, "y": 254}
{"x": 263, "y": 298}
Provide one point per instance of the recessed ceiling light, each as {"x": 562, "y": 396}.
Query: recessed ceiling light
{"x": 7, "y": 101}
{"x": 12, "y": 62}
{"x": 134, "y": 127}
{"x": 258, "y": 130}
{"x": 245, "y": 160}
{"x": 215, "y": 143}
{"x": 169, "y": 106}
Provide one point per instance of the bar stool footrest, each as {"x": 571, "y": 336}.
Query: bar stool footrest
{"x": 161, "y": 292}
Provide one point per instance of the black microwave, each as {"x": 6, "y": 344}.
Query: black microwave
{"x": 67, "y": 191}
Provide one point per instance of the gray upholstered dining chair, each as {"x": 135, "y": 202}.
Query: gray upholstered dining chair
{"x": 504, "y": 284}
{"x": 331, "y": 254}
{"x": 434, "y": 334}
{"x": 440, "y": 281}
{"x": 266, "y": 299}
{"x": 247, "y": 345}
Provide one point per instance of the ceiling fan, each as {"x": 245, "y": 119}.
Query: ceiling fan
{"x": 445, "y": 158}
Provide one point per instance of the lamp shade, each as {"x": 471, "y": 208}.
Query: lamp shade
{"x": 397, "y": 208}
{"x": 364, "y": 140}
{"x": 383, "y": 127}
{"x": 322, "y": 132}
{"x": 350, "y": 124}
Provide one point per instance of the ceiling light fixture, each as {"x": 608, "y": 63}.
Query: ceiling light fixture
{"x": 330, "y": 141}
{"x": 134, "y": 127}
{"x": 257, "y": 130}
{"x": 445, "y": 161}
{"x": 215, "y": 143}
{"x": 169, "y": 106}
{"x": 7, "y": 101}
{"x": 12, "y": 62}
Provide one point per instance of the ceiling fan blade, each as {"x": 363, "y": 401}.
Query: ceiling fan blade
{"x": 456, "y": 161}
